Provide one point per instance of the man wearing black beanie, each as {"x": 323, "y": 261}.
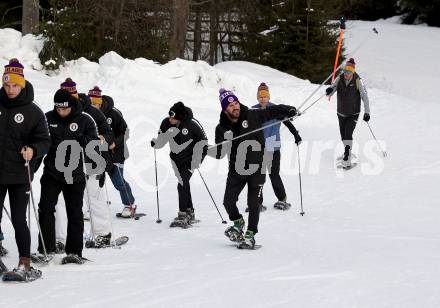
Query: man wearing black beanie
{"x": 70, "y": 130}
{"x": 184, "y": 133}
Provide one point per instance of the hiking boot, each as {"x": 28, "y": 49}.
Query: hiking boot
{"x": 248, "y": 241}
{"x": 235, "y": 232}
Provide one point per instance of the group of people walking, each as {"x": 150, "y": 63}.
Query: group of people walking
{"x": 84, "y": 138}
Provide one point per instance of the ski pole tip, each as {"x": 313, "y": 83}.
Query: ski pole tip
{"x": 224, "y": 222}
{"x": 159, "y": 221}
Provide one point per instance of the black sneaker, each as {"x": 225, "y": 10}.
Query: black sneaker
{"x": 73, "y": 258}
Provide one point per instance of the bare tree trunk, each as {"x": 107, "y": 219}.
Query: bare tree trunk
{"x": 180, "y": 12}
{"x": 212, "y": 33}
{"x": 30, "y": 18}
{"x": 197, "y": 35}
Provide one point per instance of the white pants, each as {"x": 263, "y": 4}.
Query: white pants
{"x": 100, "y": 212}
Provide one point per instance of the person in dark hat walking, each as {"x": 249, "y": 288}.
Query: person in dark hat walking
{"x": 351, "y": 91}
{"x": 24, "y": 137}
{"x": 184, "y": 134}
{"x": 70, "y": 130}
{"x": 243, "y": 126}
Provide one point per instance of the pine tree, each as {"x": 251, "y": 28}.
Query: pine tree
{"x": 302, "y": 42}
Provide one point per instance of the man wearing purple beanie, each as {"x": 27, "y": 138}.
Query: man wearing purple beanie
{"x": 243, "y": 127}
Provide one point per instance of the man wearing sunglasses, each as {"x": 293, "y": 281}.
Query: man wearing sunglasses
{"x": 351, "y": 91}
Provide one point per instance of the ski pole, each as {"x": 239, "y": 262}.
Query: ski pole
{"x": 209, "y": 192}
{"x": 378, "y": 144}
{"x": 300, "y": 182}
{"x": 157, "y": 189}
{"x": 92, "y": 226}
{"x": 109, "y": 210}
{"x": 35, "y": 209}
{"x": 341, "y": 37}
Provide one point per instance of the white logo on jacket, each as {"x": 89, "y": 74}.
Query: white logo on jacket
{"x": 185, "y": 131}
{"x": 73, "y": 127}
{"x": 19, "y": 118}
{"x": 109, "y": 121}
{"x": 245, "y": 124}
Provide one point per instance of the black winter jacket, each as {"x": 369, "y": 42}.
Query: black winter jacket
{"x": 104, "y": 128}
{"x": 249, "y": 120}
{"x": 22, "y": 123}
{"x": 119, "y": 127}
{"x": 77, "y": 125}
{"x": 189, "y": 131}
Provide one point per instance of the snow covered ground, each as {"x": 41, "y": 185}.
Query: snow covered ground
{"x": 369, "y": 238}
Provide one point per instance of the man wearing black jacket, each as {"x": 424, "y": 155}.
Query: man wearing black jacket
{"x": 102, "y": 232}
{"x": 23, "y": 137}
{"x": 70, "y": 130}
{"x": 245, "y": 159}
{"x": 186, "y": 136}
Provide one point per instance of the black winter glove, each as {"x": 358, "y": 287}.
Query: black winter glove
{"x": 101, "y": 179}
{"x": 328, "y": 91}
{"x": 298, "y": 139}
{"x": 366, "y": 117}
{"x": 292, "y": 112}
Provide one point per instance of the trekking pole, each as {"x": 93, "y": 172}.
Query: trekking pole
{"x": 209, "y": 192}
{"x": 378, "y": 144}
{"x": 300, "y": 182}
{"x": 109, "y": 210}
{"x": 92, "y": 226}
{"x": 157, "y": 189}
{"x": 35, "y": 209}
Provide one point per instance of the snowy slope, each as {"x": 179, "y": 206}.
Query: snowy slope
{"x": 370, "y": 236}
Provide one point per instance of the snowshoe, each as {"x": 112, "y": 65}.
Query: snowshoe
{"x": 183, "y": 220}
{"x": 261, "y": 206}
{"x": 136, "y": 216}
{"x": 282, "y": 205}
{"x": 20, "y": 274}
{"x": 73, "y": 258}
{"x": 347, "y": 165}
{"x": 23, "y": 272}
{"x": 235, "y": 232}
{"x": 128, "y": 211}
{"x": 248, "y": 241}
{"x": 192, "y": 216}
{"x": 40, "y": 259}
{"x": 116, "y": 243}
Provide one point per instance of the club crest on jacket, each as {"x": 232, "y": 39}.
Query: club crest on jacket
{"x": 19, "y": 118}
{"x": 73, "y": 127}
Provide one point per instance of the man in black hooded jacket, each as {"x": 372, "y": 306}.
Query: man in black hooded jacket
{"x": 70, "y": 130}
{"x": 245, "y": 159}
{"x": 186, "y": 136}
{"x": 23, "y": 137}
